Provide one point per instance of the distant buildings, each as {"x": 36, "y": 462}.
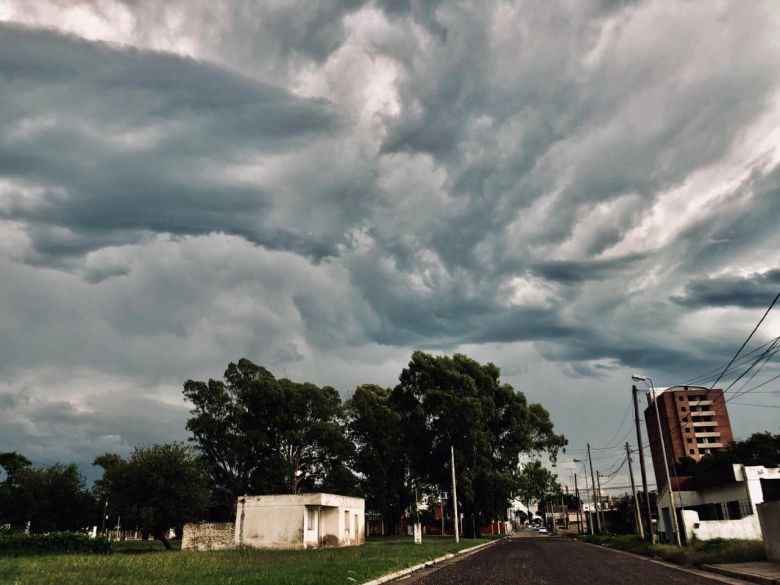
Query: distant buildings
{"x": 720, "y": 503}
{"x": 694, "y": 422}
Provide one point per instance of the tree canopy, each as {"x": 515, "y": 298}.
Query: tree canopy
{"x": 757, "y": 449}
{"x": 49, "y": 498}
{"x": 157, "y": 488}
{"x": 442, "y": 402}
{"x": 262, "y": 435}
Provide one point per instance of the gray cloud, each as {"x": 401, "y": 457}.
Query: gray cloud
{"x": 753, "y": 291}
{"x": 576, "y": 190}
{"x": 118, "y": 142}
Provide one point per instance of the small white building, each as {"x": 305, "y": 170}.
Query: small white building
{"x": 300, "y": 521}
{"x": 722, "y": 504}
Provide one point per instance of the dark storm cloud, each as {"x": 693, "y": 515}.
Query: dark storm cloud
{"x": 118, "y": 142}
{"x": 577, "y": 271}
{"x": 752, "y": 291}
{"x": 572, "y": 183}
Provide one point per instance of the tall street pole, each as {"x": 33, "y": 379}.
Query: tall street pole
{"x": 579, "y": 506}
{"x": 666, "y": 468}
{"x": 586, "y": 515}
{"x": 595, "y": 498}
{"x": 600, "y": 509}
{"x": 648, "y": 510}
{"x": 454, "y": 494}
{"x": 637, "y": 513}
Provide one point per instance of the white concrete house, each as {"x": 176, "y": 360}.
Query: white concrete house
{"x": 722, "y": 505}
{"x": 300, "y": 521}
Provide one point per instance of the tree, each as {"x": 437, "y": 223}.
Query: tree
{"x": 261, "y": 435}
{"x": 159, "y": 487}
{"x": 757, "y": 449}
{"x": 49, "y": 498}
{"x": 373, "y": 424}
{"x": 456, "y": 401}
{"x": 536, "y": 484}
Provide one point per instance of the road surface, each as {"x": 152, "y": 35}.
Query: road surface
{"x": 553, "y": 561}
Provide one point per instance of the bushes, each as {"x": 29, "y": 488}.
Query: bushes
{"x": 52, "y": 543}
{"x": 717, "y": 550}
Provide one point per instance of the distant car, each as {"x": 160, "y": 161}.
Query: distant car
{"x": 543, "y": 530}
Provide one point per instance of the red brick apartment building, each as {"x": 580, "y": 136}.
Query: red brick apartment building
{"x": 694, "y": 420}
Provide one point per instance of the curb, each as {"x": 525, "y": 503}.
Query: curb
{"x": 414, "y": 568}
{"x": 732, "y": 578}
{"x": 760, "y": 579}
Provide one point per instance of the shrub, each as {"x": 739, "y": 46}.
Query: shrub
{"x": 52, "y": 543}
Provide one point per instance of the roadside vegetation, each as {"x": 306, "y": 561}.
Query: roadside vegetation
{"x": 718, "y": 550}
{"x": 150, "y": 564}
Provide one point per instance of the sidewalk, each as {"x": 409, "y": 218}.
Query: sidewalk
{"x": 764, "y": 572}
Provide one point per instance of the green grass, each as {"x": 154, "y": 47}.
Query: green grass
{"x": 718, "y": 550}
{"x": 146, "y": 563}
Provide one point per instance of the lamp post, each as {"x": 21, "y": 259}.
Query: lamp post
{"x": 588, "y": 518}
{"x": 638, "y": 378}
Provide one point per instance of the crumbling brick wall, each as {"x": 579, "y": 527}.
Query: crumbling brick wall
{"x": 208, "y": 536}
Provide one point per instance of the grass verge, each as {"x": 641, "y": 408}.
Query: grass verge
{"x": 718, "y": 550}
{"x": 236, "y": 567}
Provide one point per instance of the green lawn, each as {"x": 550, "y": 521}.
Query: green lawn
{"x": 718, "y": 550}
{"x": 145, "y": 563}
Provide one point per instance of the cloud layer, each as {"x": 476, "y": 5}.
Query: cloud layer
{"x": 568, "y": 191}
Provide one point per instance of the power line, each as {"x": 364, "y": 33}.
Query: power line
{"x": 710, "y": 374}
{"x": 620, "y": 427}
{"x": 747, "y": 340}
{"x": 758, "y": 405}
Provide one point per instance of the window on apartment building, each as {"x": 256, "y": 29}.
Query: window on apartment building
{"x": 692, "y": 451}
{"x": 683, "y": 409}
{"x": 744, "y": 508}
{"x": 681, "y": 398}
{"x": 690, "y": 440}
{"x": 687, "y": 429}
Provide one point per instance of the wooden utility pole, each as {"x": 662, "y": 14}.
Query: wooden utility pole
{"x": 454, "y": 494}
{"x": 595, "y": 497}
{"x": 648, "y": 511}
{"x": 600, "y": 509}
{"x": 637, "y": 513}
{"x": 579, "y": 506}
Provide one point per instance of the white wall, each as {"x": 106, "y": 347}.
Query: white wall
{"x": 282, "y": 521}
{"x": 747, "y": 527}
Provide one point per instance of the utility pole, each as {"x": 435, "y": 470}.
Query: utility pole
{"x": 637, "y": 513}
{"x": 595, "y": 498}
{"x": 600, "y": 509}
{"x": 565, "y": 511}
{"x": 454, "y": 493}
{"x": 441, "y": 507}
{"x": 648, "y": 511}
{"x": 579, "y": 506}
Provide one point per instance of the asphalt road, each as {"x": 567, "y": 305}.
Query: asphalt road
{"x": 553, "y": 561}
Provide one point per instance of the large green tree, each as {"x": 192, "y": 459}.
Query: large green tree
{"x": 458, "y": 402}
{"x": 259, "y": 434}
{"x": 159, "y": 487}
{"x": 49, "y": 498}
{"x": 375, "y": 426}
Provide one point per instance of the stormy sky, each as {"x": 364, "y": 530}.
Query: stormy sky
{"x": 573, "y": 191}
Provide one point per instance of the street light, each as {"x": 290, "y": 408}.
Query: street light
{"x": 638, "y": 378}
{"x": 587, "y": 489}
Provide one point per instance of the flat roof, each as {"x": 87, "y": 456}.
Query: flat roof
{"x": 676, "y": 388}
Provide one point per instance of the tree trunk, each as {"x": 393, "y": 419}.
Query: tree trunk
{"x": 160, "y": 535}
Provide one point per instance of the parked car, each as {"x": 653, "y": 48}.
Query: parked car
{"x": 543, "y": 530}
